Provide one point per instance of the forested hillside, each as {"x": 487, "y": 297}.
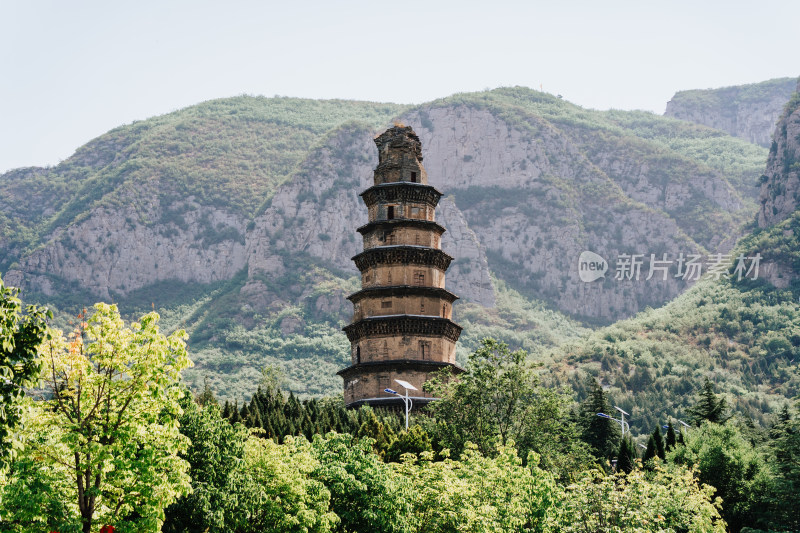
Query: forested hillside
{"x": 227, "y": 217}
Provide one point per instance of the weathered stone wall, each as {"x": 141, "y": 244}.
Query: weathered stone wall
{"x": 371, "y": 386}
{"x": 386, "y": 275}
{"x": 412, "y": 347}
{"x": 403, "y": 305}
{"x": 413, "y": 236}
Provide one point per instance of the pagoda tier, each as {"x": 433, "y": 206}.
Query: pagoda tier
{"x": 402, "y": 322}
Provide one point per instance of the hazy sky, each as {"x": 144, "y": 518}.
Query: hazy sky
{"x": 71, "y": 70}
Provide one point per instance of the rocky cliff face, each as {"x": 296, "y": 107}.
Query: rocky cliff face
{"x": 745, "y": 111}
{"x": 525, "y": 194}
{"x": 780, "y": 184}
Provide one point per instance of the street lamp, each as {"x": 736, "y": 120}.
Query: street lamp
{"x": 406, "y": 400}
{"x": 621, "y": 421}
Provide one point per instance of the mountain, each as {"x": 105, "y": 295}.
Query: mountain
{"x": 780, "y": 183}
{"x": 744, "y": 334}
{"x": 745, "y": 111}
{"x": 237, "y": 218}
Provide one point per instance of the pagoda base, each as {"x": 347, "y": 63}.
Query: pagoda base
{"x": 365, "y": 383}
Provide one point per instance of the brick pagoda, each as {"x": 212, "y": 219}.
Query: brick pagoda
{"x": 402, "y": 327}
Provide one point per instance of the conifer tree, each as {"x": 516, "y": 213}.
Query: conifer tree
{"x": 235, "y": 416}
{"x": 602, "y": 434}
{"x": 658, "y": 440}
{"x": 708, "y": 406}
{"x": 207, "y": 396}
{"x": 626, "y": 459}
{"x": 671, "y": 440}
{"x": 651, "y": 450}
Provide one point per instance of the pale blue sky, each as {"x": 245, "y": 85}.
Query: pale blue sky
{"x": 71, "y": 70}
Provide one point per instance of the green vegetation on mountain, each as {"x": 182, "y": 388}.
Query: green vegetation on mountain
{"x": 230, "y": 153}
{"x": 737, "y": 94}
{"x": 743, "y": 335}
{"x": 233, "y": 155}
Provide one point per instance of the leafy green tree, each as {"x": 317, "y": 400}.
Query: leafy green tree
{"x": 601, "y": 434}
{"x": 666, "y": 499}
{"x": 114, "y": 408}
{"x": 21, "y": 334}
{"x": 37, "y": 495}
{"x": 500, "y": 399}
{"x": 708, "y": 406}
{"x": 479, "y": 493}
{"x": 722, "y": 458}
{"x": 485, "y": 405}
{"x": 278, "y": 490}
{"x": 626, "y": 458}
{"x": 215, "y": 455}
{"x": 365, "y": 493}
{"x": 414, "y": 441}
{"x": 551, "y": 430}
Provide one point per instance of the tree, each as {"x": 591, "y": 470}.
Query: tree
{"x": 650, "y": 452}
{"x": 601, "y": 434}
{"x": 499, "y": 400}
{"x": 666, "y": 499}
{"x": 479, "y": 493}
{"x": 207, "y": 396}
{"x": 21, "y": 334}
{"x": 626, "y": 458}
{"x": 708, "y": 406}
{"x": 659, "y": 441}
{"x": 215, "y": 455}
{"x": 114, "y": 408}
{"x": 365, "y": 493}
{"x": 785, "y": 452}
{"x": 671, "y": 440}
{"x": 722, "y": 458}
{"x": 278, "y": 491}
{"x": 485, "y": 405}
{"x": 414, "y": 441}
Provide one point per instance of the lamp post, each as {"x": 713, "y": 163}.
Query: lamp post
{"x": 406, "y": 400}
{"x": 621, "y": 421}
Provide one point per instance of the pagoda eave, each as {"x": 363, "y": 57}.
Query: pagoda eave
{"x": 405, "y": 222}
{"x": 388, "y": 325}
{"x": 401, "y": 190}
{"x": 402, "y": 290}
{"x": 405, "y": 364}
{"x": 402, "y": 254}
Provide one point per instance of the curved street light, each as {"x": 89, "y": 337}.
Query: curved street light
{"x": 623, "y": 424}
{"x": 406, "y": 400}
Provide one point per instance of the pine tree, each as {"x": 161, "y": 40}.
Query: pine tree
{"x": 650, "y": 452}
{"x": 602, "y": 434}
{"x": 671, "y": 438}
{"x": 658, "y": 440}
{"x": 235, "y": 416}
{"x": 626, "y": 459}
{"x": 708, "y": 406}
{"x": 207, "y": 396}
